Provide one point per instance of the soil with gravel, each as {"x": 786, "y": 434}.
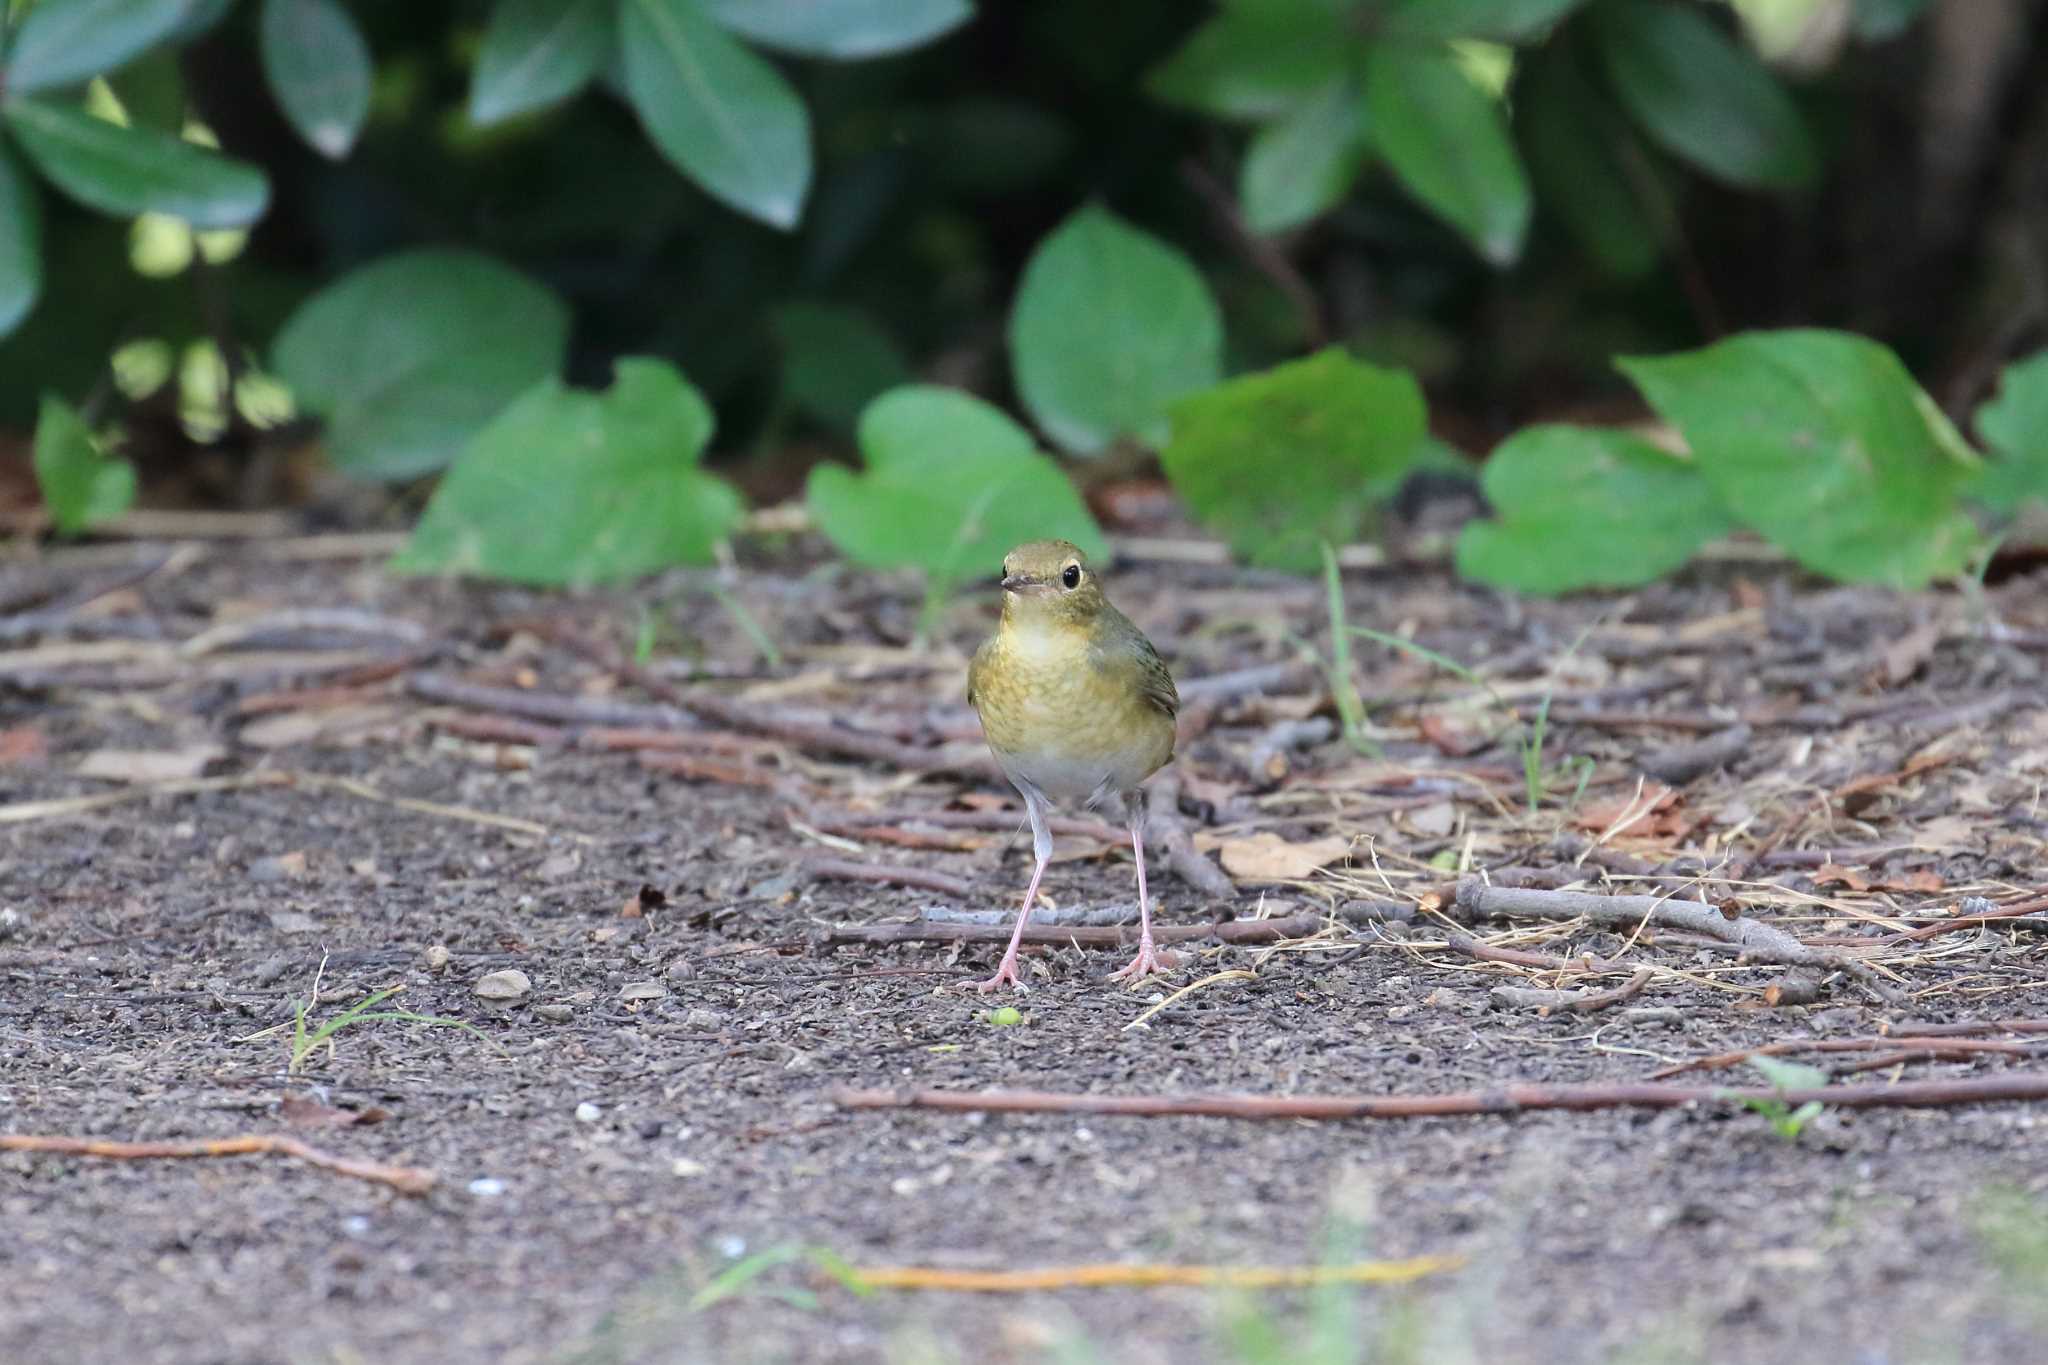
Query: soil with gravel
{"x": 615, "y": 1148}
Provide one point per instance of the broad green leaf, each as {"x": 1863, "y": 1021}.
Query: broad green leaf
{"x": 1822, "y": 442}
{"x": 1300, "y": 165}
{"x": 81, "y": 485}
{"x": 1507, "y": 21}
{"x": 949, "y": 485}
{"x": 131, "y": 171}
{"x": 64, "y": 42}
{"x": 1447, "y": 142}
{"x": 835, "y": 360}
{"x": 1281, "y": 461}
{"x": 408, "y": 357}
{"x": 1588, "y": 167}
{"x": 21, "y": 242}
{"x": 1703, "y": 96}
{"x": 1257, "y": 60}
{"x": 571, "y": 487}
{"x": 844, "y": 30}
{"x": 536, "y": 53}
{"x": 722, "y": 115}
{"x": 1579, "y": 507}
{"x": 2015, "y": 425}
{"x": 318, "y": 67}
{"x": 1109, "y": 328}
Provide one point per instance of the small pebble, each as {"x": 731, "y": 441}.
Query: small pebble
{"x": 487, "y": 1187}
{"x": 555, "y": 1014}
{"x": 701, "y": 1018}
{"x": 642, "y": 990}
{"x": 505, "y": 988}
{"x": 436, "y": 958}
{"x": 682, "y": 969}
{"x": 587, "y": 1112}
{"x": 686, "y": 1169}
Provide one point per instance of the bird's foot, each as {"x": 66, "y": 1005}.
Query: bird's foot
{"x": 1006, "y": 974}
{"x": 1149, "y": 962}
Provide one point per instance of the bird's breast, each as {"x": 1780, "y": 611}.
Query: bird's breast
{"x": 1063, "y": 725}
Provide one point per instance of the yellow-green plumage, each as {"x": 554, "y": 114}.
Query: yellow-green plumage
{"x": 1073, "y": 697}
{"x": 1077, "y": 706}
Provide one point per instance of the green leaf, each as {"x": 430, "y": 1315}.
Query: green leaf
{"x": 81, "y": 485}
{"x": 1257, "y": 59}
{"x": 1282, "y": 461}
{"x": 950, "y": 485}
{"x": 2015, "y": 424}
{"x": 1447, "y": 142}
{"x": 834, "y": 361}
{"x": 318, "y": 67}
{"x": 1580, "y": 507}
{"x": 21, "y": 242}
{"x": 132, "y": 171}
{"x": 1506, "y": 21}
{"x": 1707, "y": 99}
{"x": 536, "y": 53}
{"x": 1588, "y": 167}
{"x": 1109, "y": 328}
{"x": 1822, "y": 442}
{"x": 408, "y": 357}
{"x": 1780, "y": 1074}
{"x": 571, "y": 487}
{"x": 844, "y": 30}
{"x": 723, "y": 116}
{"x": 65, "y": 42}
{"x": 1300, "y": 165}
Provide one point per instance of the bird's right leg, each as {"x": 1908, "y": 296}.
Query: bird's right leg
{"x": 1041, "y": 849}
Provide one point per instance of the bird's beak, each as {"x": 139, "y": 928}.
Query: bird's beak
{"x": 1015, "y": 582}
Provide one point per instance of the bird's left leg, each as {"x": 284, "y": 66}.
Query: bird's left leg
{"x": 1149, "y": 959}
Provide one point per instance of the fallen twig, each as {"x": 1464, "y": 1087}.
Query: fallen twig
{"x": 2011, "y": 1086}
{"x": 1757, "y": 940}
{"x": 2032, "y": 906}
{"x": 927, "y": 931}
{"x": 405, "y": 1179}
{"x": 1916, "y": 1042}
{"x": 1144, "y": 1276}
{"x": 297, "y": 620}
{"x": 923, "y": 878}
{"x": 1577, "y": 1002}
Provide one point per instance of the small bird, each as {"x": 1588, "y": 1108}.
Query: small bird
{"x": 1077, "y": 706}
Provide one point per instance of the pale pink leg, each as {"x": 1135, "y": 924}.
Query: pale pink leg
{"x": 1149, "y": 959}
{"x": 1041, "y": 849}
{"x": 1007, "y": 971}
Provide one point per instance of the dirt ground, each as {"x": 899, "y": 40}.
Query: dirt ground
{"x": 324, "y": 808}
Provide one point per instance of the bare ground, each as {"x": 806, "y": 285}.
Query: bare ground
{"x": 1893, "y": 767}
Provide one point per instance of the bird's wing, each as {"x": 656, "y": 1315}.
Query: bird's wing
{"x": 978, "y": 666}
{"x": 1121, "y": 648}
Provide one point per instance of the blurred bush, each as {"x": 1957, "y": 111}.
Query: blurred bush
{"x": 220, "y": 215}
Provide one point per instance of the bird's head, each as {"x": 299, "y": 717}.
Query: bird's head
{"x": 1049, "y": 580}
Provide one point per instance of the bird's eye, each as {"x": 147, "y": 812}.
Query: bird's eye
{"x": 1070, "y": 577}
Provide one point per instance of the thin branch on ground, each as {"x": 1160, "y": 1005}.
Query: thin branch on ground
{"x": 1576, "y": 1002}
{"x": 2009, "y": 1087}
{"x": 405, "y": 1179}
{"x": 1113, "y": 1276}
{"x": 926, "y": 931}
{"x": 1759, "y": 941}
